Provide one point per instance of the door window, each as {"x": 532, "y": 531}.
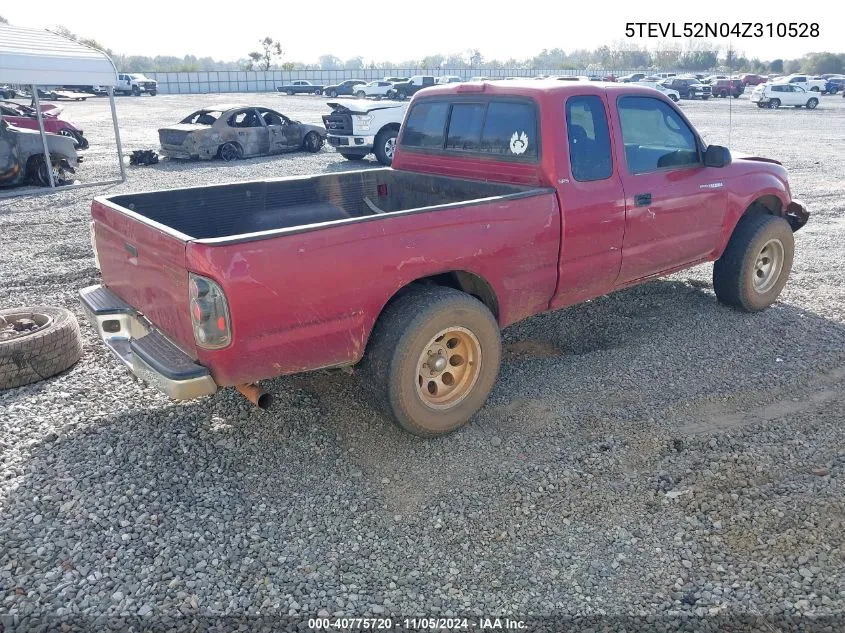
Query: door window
{"x": 589, "y": 139}
{"x": 246, "y": 118}
{"x": 655, "y": 136}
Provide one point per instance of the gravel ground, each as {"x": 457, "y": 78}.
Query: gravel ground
{"x": 650, "y": 453}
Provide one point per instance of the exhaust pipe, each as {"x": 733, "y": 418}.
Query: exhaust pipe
{"x": 256, "y": 395}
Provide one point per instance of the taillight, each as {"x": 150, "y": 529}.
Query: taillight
{"x": 209, "y": 313}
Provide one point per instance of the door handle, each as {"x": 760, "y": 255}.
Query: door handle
{"x": 642, "y": 199}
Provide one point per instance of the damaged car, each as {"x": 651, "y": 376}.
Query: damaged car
{"x": 234, "y": 131}
{"x": 22, "y": 157}
{"x": 26, "y": 117}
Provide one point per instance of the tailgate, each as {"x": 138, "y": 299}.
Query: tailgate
{"x": 143, "y": 263}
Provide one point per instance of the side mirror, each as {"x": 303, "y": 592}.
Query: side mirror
{"x": 717, "y": 156}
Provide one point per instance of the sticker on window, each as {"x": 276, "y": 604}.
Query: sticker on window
{"x": 519, "y": 143}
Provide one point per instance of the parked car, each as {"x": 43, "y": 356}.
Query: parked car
{"x": 377, "y": 89}
{"x": 404, "y": 89}
{"x": 656, "y": 85}
{"x": 234, "y": 131}
{"x": 688, "y": 87}
{"x": 754, "y": 80}
{"x": 572, "y": 78}
{"x": 358, "y": 128}
{"x": 344, "y": 88}
{"x": 479, "y": 78}
{"x": 22, "y": 157}
{"x": 806, "y": 82}
{"x": 625, "y": 79}
{"x": 395, "y": 80}
{"x": 784, "y": 94}
{"x": 412, "y": 271}
{"x": 57, "y": 94}
{"x": 711, "y": 78}
{"x": 727, "y": 87}
{"x": 26, "y": 117}
{"x": 449, "y": 79}
{"x": 135, "y": 84}
{"x": 834, "y": 84}
{"x": 300, "y": 87}
{"x": 666, "y": 75}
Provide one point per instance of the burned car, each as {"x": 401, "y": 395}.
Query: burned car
{"x": 232, "y": 131}
{"x": 22, "y": 157}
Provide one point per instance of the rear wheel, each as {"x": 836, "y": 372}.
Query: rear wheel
{"x": 433, "y": 359}
{"x": 754, "y": 268}
{"x": 673, "y": 98}
{"x": 812, "y": 103}
{"x": 815, "y": 89}
{"x": 332, "y": 93}
{"x": 39, "y": 171}
{"x": 774, "y": 104}
{"x": 136, "y": 91}
{"x": 289, "y": 93}
{"x": 229, "y": 152}
{"x": 360, "y": 94}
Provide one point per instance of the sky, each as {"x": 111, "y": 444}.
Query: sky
{"x": 383, "y": 30}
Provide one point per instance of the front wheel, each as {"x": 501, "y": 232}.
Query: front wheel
{"x": 153, "y": 93}
{"x": 385, "y": 146}
{"x": 136, "y": 91}
{"x": 360, "y": 94}
{"x": 812, "y": 103}
{"x": 313, "y": 142}
{"x": 704, "y": 97}
{"x": 433, "y": 359}
{"x": 289, "y": 93}
{"x": 229, "y": 152}
{"x": 774, "y": 104}
{"x": 332, "y": 93}
{"x": 754, "y": 268}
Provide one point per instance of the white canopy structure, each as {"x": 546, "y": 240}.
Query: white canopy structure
{"x": 40, "y": 58}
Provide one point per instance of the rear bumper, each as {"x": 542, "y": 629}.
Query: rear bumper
{"x": 145, "y": 351}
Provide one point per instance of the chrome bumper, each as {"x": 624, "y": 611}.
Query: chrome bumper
{"x": 145, "y": 351}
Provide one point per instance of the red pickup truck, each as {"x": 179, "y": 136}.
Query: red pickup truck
{"x": 504, "y": 200}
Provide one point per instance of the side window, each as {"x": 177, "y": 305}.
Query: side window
{"x": 589, "y": 139}
{"x": 510, "y": 129}
{"x": 655, "y": 136}
{"x": 465, "y": 126}
{"x": 425, "y": 125}
{"x": 246, "y": 118}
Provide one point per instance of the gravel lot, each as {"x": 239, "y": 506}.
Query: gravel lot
{"x": 649, "y": 453}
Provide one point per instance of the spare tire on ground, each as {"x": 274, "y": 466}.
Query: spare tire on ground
{"x": 36, "y": 343}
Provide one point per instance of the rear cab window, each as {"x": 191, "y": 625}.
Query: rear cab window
{"x": 498, "y": 127}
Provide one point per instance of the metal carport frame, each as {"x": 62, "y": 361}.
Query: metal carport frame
{"x": 42, "y": 58}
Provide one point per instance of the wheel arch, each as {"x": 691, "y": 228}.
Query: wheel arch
{"x": 468, "y": 282}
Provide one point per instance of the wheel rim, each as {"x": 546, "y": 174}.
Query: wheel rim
{"x": 774, "y": 104}
{"x": 448, "y": 368}
{"x": 768, "y": 266}
{"x": 228, "y": 153}
{"x": 15, "y": 326}
{"x": 812, "y": 103}
{"x": 390, "y": 147}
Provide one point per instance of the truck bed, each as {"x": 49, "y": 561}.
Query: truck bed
{"x": 231, "y": 212}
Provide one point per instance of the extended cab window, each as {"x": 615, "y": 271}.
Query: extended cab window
{"x": 589, "y": 139}
{"x": 655, "y": 136}
{"x": 425, "y": 125}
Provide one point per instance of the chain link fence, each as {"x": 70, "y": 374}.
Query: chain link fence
{"x": 266, "y": 81}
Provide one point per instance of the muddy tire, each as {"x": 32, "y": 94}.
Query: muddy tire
{"x": 754, "y": 268}
{"x": 432, "y": 397}
{"x": 313, "y": 142}
{"x": 229, "y": 152}
{"x": 51, "y": 348}
{"x": 385, "y": 146}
